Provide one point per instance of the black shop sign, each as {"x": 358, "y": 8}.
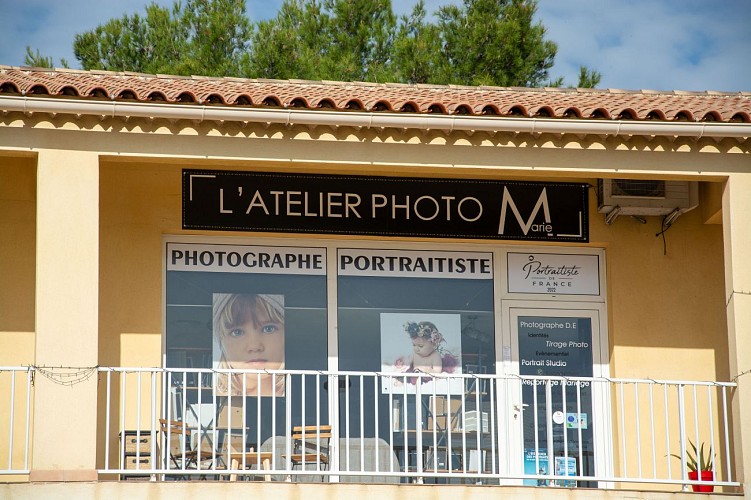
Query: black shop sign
{"x": 222, "y": 200}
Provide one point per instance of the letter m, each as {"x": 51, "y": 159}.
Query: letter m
{"x": 508, "y": 201}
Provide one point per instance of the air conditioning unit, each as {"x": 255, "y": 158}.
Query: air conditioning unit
{"x": 643, "y": 198}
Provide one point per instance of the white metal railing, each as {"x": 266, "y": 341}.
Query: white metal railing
{"x": 418, "y": 427}
{"x": 488, "y": 429}
{"x": 15, "y": 419}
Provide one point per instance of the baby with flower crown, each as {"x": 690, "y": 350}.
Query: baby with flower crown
{"x": 426, "y": 340}
{"x": 427, "y": 346}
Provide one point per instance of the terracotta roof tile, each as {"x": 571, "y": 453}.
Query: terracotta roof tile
{"x": 366, "y": 96}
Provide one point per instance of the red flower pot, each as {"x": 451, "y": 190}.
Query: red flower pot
{"x": 706, "y": 475}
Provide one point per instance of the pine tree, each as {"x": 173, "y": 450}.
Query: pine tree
{"x": 206, "y": 37}
{"x": 480, "y": 42}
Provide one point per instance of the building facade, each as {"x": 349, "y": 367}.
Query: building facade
{"x": 488, "y": 277}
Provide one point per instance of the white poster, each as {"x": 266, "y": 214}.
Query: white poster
{"x": 556, "y": 274}
{"x": 415, "y": 264}
{"x": 248, "y": 334}
{"x": 245, "y": 259}
{"x": 418, "y": 343}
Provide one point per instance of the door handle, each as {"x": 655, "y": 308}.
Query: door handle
{"x": 518, "y": 408}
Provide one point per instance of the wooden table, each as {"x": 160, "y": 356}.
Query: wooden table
{"x": 251, "y": 458}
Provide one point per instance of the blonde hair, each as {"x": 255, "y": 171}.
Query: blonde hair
{"x": 230, "y": 309}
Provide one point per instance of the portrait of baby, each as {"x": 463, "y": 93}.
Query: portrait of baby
{"x": 420, "y": 343}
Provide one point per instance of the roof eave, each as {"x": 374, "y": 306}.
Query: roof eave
{"x": 374, "y": 120}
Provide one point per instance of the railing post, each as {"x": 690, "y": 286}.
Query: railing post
{"x": 418, "y": 428}
{"x": 107, "y": 416}
{"x": 153, "y": 422}
{"x": 288, "y": 424}
{"x": 334, "y": 394}
{"x": 549, "y": 427}
{"x": 682, "y": 435}
{"x": 27, "y": 432}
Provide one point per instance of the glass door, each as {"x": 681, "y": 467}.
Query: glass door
{"x": 557, "y": 412}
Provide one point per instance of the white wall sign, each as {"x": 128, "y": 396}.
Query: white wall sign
{"x": 415, "y": 264}
{"x": 245, "y": 259}
{"x": 549, "y": 273}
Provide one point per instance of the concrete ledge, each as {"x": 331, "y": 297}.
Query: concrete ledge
{"x": 242, "y": 490}
{"x": 57, "y": 475}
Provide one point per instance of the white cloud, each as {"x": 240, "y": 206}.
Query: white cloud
{"x": 661, "y": 45}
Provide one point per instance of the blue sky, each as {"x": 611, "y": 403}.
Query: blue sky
{"x": 636, "y": 44}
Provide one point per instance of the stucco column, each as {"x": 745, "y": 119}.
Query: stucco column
{"x": 736, "y": 214}
{"x": 67, "y": 303}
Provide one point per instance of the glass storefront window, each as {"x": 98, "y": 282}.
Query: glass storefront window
{"x": 411, "y": 325}
{"x": 403, "y": 312}
{"x": 244, "y": 307}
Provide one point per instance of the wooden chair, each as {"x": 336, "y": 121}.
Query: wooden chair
{"x": 182, "y": 455}
{"x": 311, "y": 446}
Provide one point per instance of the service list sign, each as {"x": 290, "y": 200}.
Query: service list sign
{"x": 385, "y": 206}
{"x": 555, "y": 346}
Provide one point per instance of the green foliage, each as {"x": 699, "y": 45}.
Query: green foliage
{"x": 416, "y": 55}
{"x": 346, "y": 40}
{"x": 37, "y": 60}
{"x": 696, "y": 461}
{"x": 588, "y": 78}
{"x": 492, "y": 42}
{"x": 290, "y": 46}
{"x": 207, "y": 37}
{"x": 481, "y": 42}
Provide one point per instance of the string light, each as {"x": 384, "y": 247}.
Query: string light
{"x": 66, "y": 375}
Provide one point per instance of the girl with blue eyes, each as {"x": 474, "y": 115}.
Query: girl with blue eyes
{"x": 249, "y": 330}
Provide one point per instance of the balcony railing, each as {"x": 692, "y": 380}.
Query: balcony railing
{"x": 15, "y": 419}
{"x": 175, "y": 424}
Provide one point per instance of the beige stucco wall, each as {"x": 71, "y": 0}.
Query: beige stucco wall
{"x": 666, "y": 302}
{"x": 66, "y": 301}
{"x": 660, "y": 306}
{"x": 17, "y": 249}
{"x": 736, "y": 203}
{"x": 241, "y": 490}
{"x": 658, "y": 302}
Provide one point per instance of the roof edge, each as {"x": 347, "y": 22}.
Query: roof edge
{"x": 449, "y": 123}
{"x": 563, "y": 90}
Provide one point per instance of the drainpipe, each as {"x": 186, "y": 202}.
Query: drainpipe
{"x": 486, "y": 123}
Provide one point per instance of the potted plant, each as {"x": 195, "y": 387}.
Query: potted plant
{"x": 699, "y": 466}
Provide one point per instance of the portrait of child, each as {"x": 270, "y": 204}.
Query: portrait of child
{"x": 432, "y": 343}
{"x": 428, "y": 346}
{"x": 249, "y": 335}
